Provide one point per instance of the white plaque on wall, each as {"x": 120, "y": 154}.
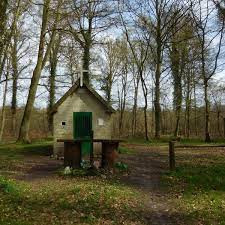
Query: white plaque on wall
{"x": 100, "y": 122}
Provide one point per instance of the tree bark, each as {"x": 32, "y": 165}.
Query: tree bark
{"x": 218, "y": 122}
{"x": 122, "y": 109}
{"x": 158, "y": 74}
{"x": 188, "y": 105}
{"x": 86, "y": 62}
{"x": 3, "y": 19}
{"x": 207, "y": 120}
{"x": 14, "y": 84}
{"x": 7, "y": 37}
{"x": 53, "y": 67}
{"x": 122, "y": 97}
{"x": 224, "y": 127}
{"x": 177, "y": 93}
{"x": 195, "y": 111}
{"x": 2, "y": 119}
{"x": 2, "y": 64}
{"x": 145, "y": 92}
{"x": 87, "y": 47}
{"x": 134, "y": 111}
{"x": 157, "y": 105}
{"x": 51, "y": 96}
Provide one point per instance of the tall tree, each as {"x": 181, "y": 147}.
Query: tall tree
{"x": 15, "y": 76}
{"x": 19, "y": 49}
{"x": 2, "y": 118}
{"x": 136, "y": 82}
{"x": 3, "y": 20}
{"x": 53, "y": 61}
{"x": 179, "y": 53}
{"x": 86, "y": 19}
{"x": 124, "y": 82}
{"x": 156, "y": 20}
{"x": 110, "y": 64}
{"x": 203, "y": 20}
{"x": 43, "y": 54}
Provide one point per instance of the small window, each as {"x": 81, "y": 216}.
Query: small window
{"x": 63, "y": 123}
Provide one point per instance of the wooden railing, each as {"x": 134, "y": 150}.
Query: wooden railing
{"x": 173, "y": 146}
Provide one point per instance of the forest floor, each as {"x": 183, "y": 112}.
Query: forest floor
{"x": 192, "y": 194}
{"x": 34, "y": 191}
{"x": 146, "y": 167}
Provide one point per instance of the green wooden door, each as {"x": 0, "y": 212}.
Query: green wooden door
{"x": 82, "y": 130}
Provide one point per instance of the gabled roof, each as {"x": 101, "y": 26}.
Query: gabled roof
{"x": 73, "y": 89}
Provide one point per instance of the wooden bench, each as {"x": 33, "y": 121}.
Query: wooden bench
{"x": 73, "y": 155}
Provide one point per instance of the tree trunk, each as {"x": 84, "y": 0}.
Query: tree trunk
{"x": 25, "y": 125}
{"x": 109, "y": 83}
{"x": 51, "y": 96}
{"x": 15, "y": 84}
{"x": 2, "y": 64}
{"x": 157, "y": 106}
{"x": 108, "y": 95}
{"x": 178, "y": 102}
{"x": 146, "y": 121}
{"x": 134, "y": 111}
{"x": 122, "y": 108}
{"x": 158, "y": 8}
{"x": 145, "y": 92}
{"x": 157, "y": 90}
{"x": 188, "y": 103}
{"x": 86, "y": 54}
{"x": 224, "y": 127}
{"x": 122, "y": 98}
{"x": 207, "y": 134}
{"x": 188, "y": 116}
{"x": 86, "y": 62}
{"x": 218, "y": 122}
{"x": 195, "y": 105}
{"x": 176, "y": 72}
{"x": 7, "y": 39}
{"x": 153, "y": 111}
{"x": 3, "y": 109}
{"x": 53, "y": 67}
{"x": 3, "y": 19}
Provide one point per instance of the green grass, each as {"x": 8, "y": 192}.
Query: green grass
{"x": 199, "y": 181}
{"x": 126, "y": 151}
{"x": 197, "y": 141}
{"x": 196, "y": 189}
{"x": 164, "y": 140}
{"x": 73, "y": 201}
{"x": 38, "y": 148}
{"x": 77, "y": 199}
{"x": 12, "y": 155}
{"x": 152, "y": 142}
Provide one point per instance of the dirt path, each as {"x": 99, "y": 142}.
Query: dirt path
{"x": 38, "y": 167}
{"x": 147, "y": 165}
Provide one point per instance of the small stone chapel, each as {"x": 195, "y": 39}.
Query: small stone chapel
{"x": 81, "y": 112}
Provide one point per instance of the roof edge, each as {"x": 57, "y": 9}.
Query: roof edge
{"x": 110, "y": 109}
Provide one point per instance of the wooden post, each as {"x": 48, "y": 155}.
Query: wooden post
{"x": 172, "y": 155}
{"x": 224, "y": 127}
{"x": 92, "y": 150}
{"x": 109, "y": 153}
{"x": 72, "y": 154}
